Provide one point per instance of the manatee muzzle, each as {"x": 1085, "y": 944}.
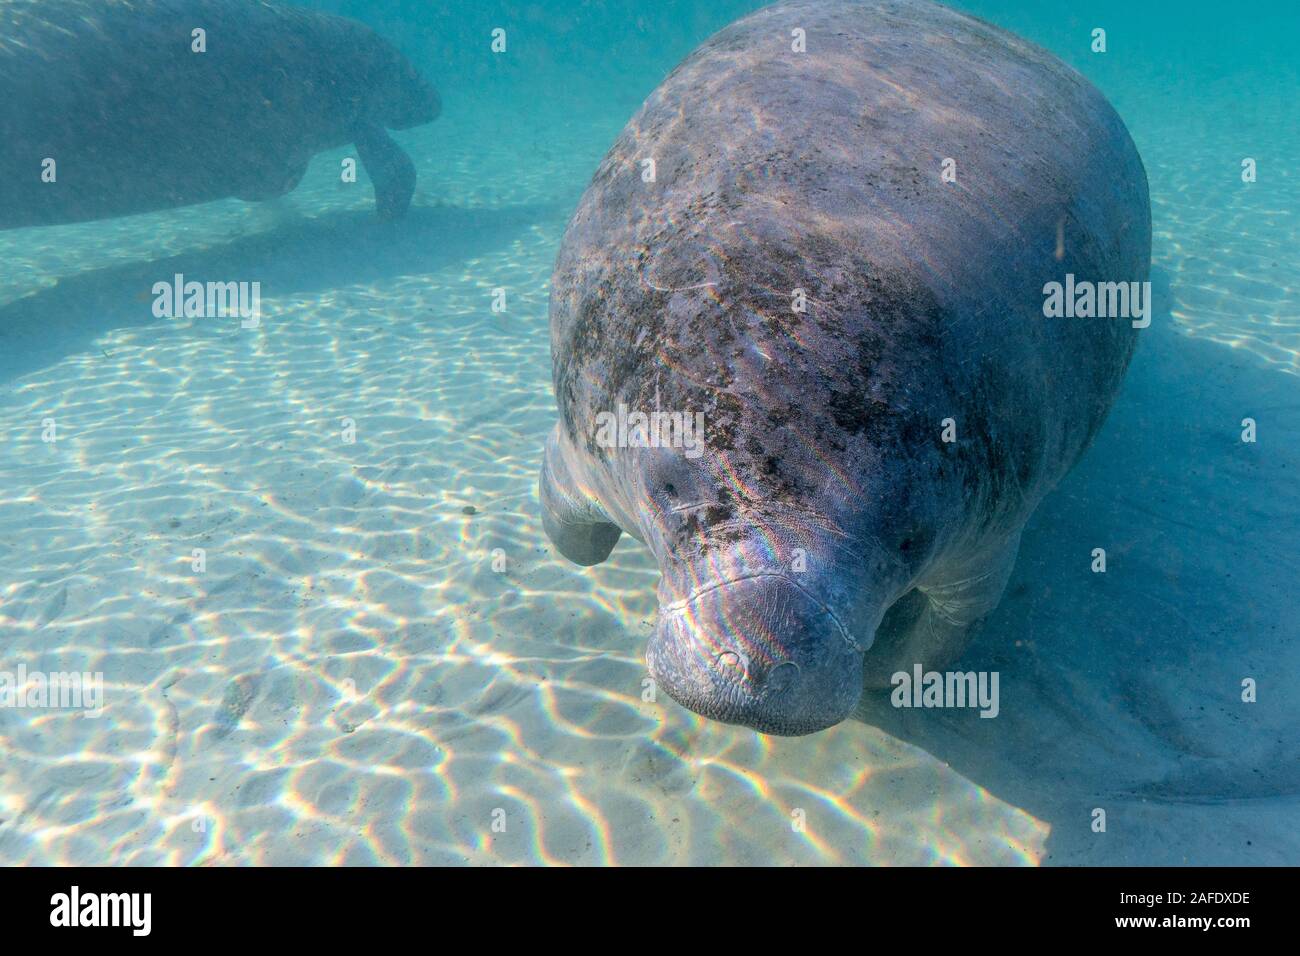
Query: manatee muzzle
{"x": 760, "y": 651}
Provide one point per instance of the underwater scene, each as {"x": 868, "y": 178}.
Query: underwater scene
{"x": 603, "y": 432}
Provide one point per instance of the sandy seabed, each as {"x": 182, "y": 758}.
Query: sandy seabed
{"x": 350, "y": 679}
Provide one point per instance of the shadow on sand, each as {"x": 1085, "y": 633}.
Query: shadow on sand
{"x": 300, "y": 256}
{"x": 1123, "y": 691}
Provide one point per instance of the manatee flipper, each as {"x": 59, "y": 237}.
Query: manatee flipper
{"x": 391, "y": 171}
{"x": 932, "y": 624}
{"x": 274, "y": 180}
{"x": 574, "y": 522}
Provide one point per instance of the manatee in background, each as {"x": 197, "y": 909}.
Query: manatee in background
{"x": 828, "y": 535}
{"x": 136, "y": 120}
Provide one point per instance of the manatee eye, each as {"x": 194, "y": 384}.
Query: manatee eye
{"x": 670, "y": 491}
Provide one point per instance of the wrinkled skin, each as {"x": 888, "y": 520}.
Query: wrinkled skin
{"x": 828, "y": 534}
{"x": 137, "y": 121}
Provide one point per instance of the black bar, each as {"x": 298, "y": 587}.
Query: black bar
{"x": 332, "y": 907}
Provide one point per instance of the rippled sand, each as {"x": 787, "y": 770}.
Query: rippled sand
{"x": 365, "y": 672}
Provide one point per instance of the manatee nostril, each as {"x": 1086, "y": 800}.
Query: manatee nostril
{"x": 783, "y": 677}
{"x": 731, "y": 665}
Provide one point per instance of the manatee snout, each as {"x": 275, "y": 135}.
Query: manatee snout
{"x": 394, "y": 92}
{"x": 760, "y": 651}
{"x": 417, "y": 103}
{"x": 408, "y": 99}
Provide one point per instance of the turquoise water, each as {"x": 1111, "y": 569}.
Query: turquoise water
{"x": 350, "y": 679}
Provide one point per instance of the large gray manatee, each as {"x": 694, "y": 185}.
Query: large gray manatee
{"x": 772, "y": 243}
{"x": 137, "y": 118}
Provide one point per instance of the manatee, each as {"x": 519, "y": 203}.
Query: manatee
{"x": 772, "y": 245}
{"x": 136, "y": 120}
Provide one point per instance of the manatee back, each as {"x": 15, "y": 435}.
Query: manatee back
{"x": 777, "y": 171}
{"x": 137, "y": 120}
